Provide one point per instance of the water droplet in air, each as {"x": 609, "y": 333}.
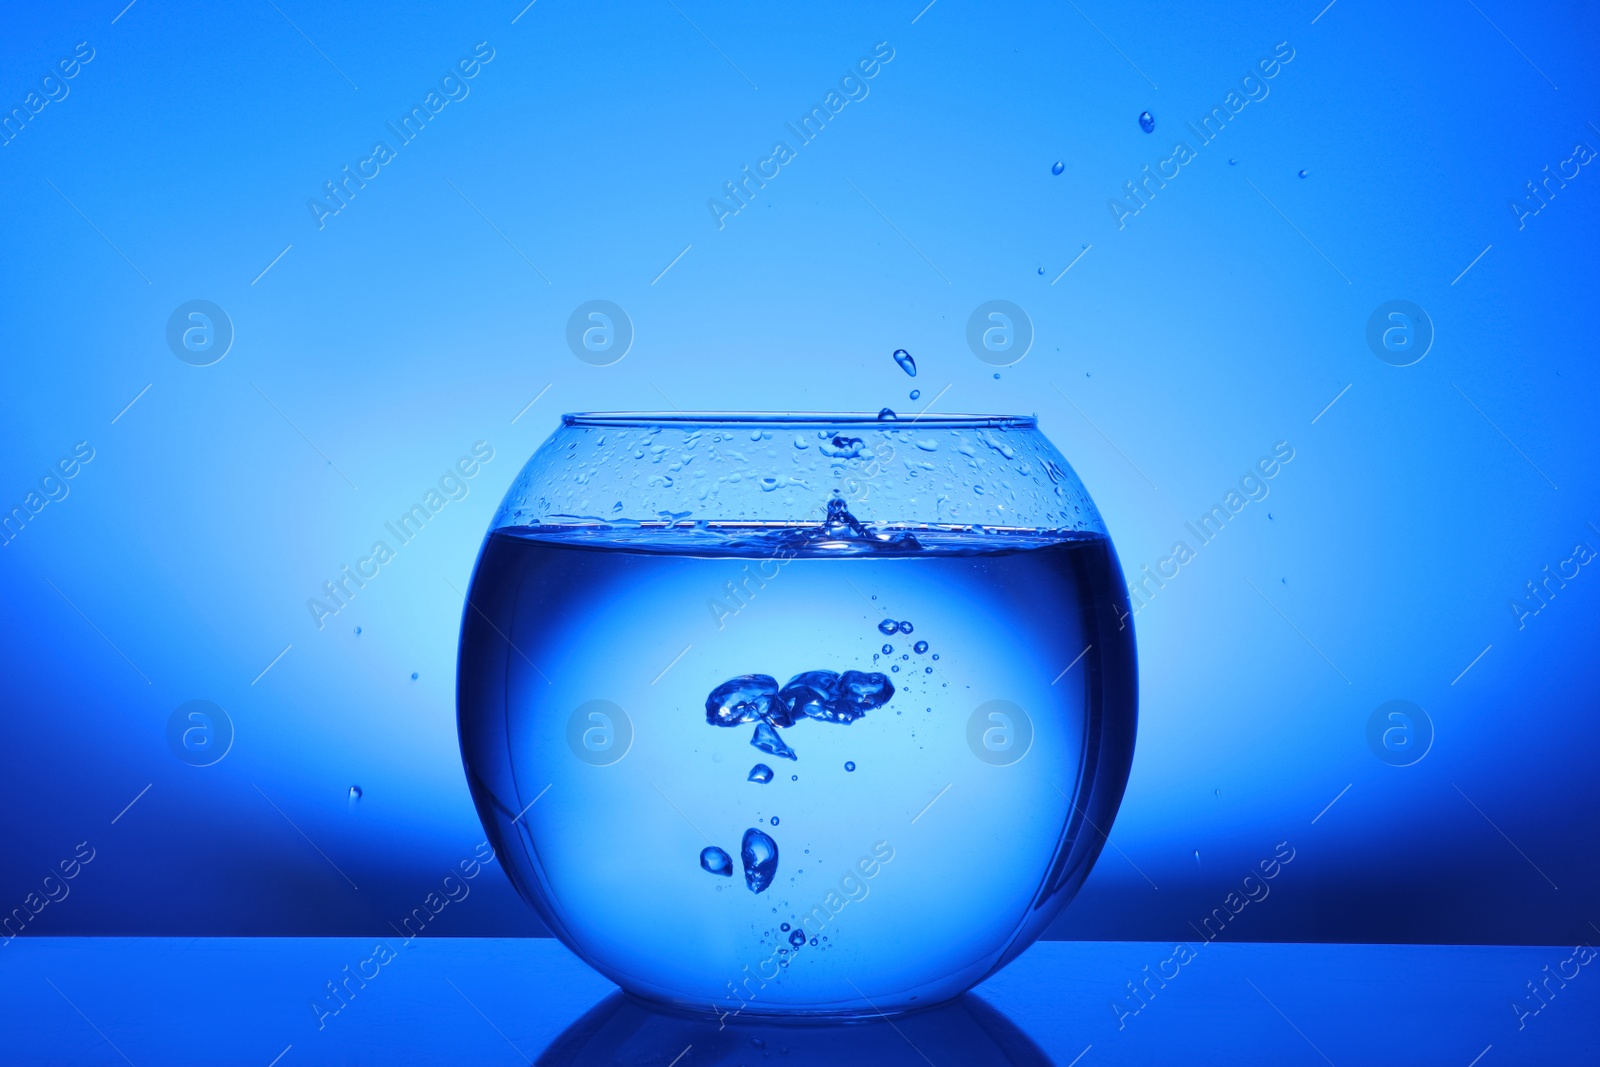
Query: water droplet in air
{"x": 907, "y": 364}
{"x": 797, "y": 938}
{"x": 716, "y": 861}
{"x": 760, "y": 773}
{"x": 1058, "y": 168}
{"x": 1147, "y": 122}
{"x": 920, "y": 647}
{"x": 355, "y": 793}
{"x": 905, "y": 627}
{"x": 849, "y": 765}
{"x": 888, "y": 626}
{"x": 916, "y": 394}
{"x": 885, "y": 415}
{"x": 759, "y": 854}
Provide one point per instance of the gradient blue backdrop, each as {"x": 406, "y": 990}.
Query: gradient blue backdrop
{"x": 430, "y": 311}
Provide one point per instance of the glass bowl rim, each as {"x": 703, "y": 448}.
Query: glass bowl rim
{"x": 793, "y": 418}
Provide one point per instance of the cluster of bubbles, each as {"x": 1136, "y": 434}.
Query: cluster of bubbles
{"x": 826, "y": 696}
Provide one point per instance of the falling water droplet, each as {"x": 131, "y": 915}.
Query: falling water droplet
{"x": 1058, "y": 167}
{"x": 907, "y": 364}
{"x": 760, "y": 773}
{"x": 716, "y": 861}
{"x": 885, "y": 415}
{"x": 916, "y": 394}
{"x": 1147, "y": 122}
{"x": 759, "y": 853}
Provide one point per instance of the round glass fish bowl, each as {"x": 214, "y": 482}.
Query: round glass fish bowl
{"x": 816, "y": 715}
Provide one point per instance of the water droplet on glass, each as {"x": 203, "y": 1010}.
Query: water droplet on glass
{"x": 888, "y": 626}
{"x": 916, "y": 394}
{"x": 760, "y": 773}
{"x": 905, "y": 627}
{"x": 1302, "y": 174}
{"x": 716, "y": 861}
{"x": 1058, "y": 168}
{"x": 907, "y": 364}
{"x": 885, "y": 415}
{"x": 797, "y": 938}
{"x": 1147, "y": 122}
{"x": 355, "y": 793}
{"x": 849, "y": 765}
{"x": 759, "y": 854}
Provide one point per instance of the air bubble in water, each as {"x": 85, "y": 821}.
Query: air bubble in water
{"x": 1058, "y": 168}
{"x": 905, "y": 627}
{"x": 759, "y": 853}
{"x": 888, "y": 626}
{"x": 907, "y": 364}
{"x": 849, "y": 765}
{"x": 716, "y": 861}
{"x": 1147, "y": 122}
{"x": 885, "y": 415}
{"x": 760, "y": 773}
{"x": 355, "y": 794}
{"x": 920, "y": 647}
{"x": 916, "y": 394}
{"x": 797, "y": 938}
{"x": 887, "y": 649}
{"x": 774, "y": 820}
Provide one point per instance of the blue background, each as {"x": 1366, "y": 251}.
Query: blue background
{"x": 1222, "y": 318}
